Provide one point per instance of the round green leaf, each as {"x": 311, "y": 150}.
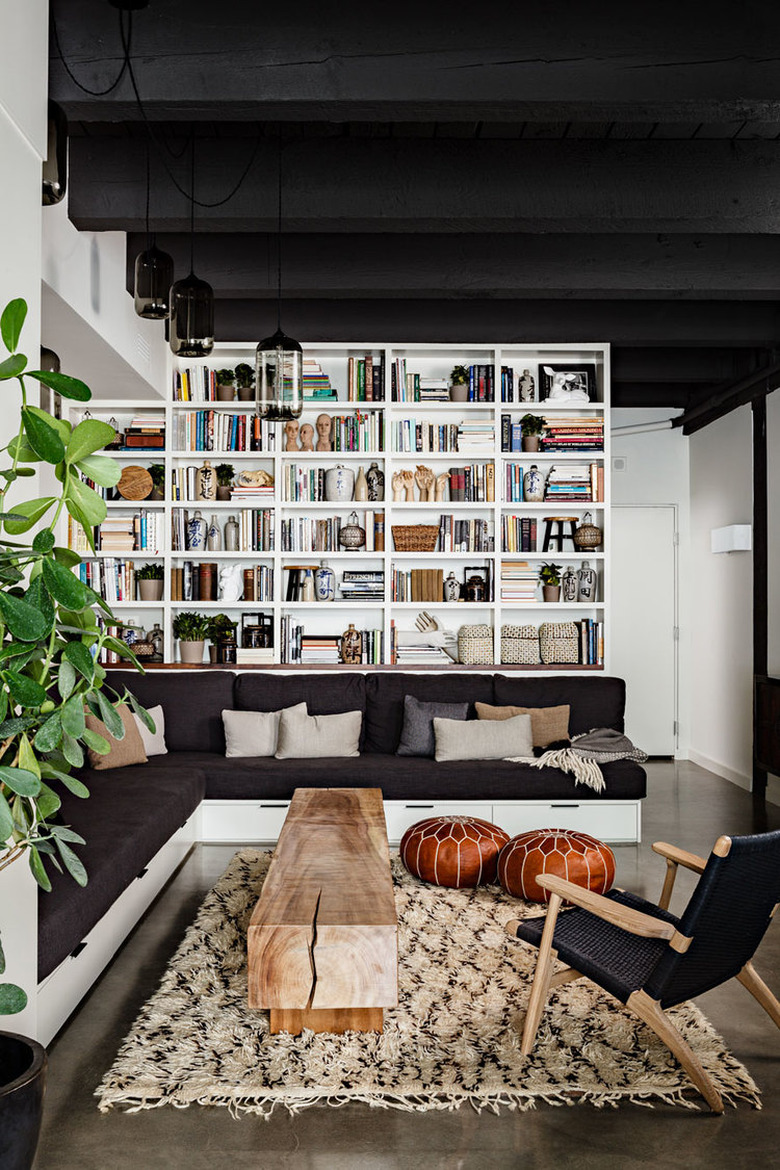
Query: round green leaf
{"x": 30, "y": 512}
{"x": 103, "y": 470}
{"x": 96, "y": 743}
{"x": 90, "y": 435}
{"x": 12, "y": 999}
{"x": 84, "y": 504}
{"x": 20, "y": 781}
{"x": 42, "y": 435}
{"x": 47, "y": 802}
{"x": 43, "y": 541}
{"x": 72, "y": 715}
{"x": 65, "y": 385}
{"x": 66, "y": 680}
{"x": 39, "y": 597}
{"x": 66, "y": 556}
{"x": 64, "y": 586}
{"x": 24, "y": 690}
{"x": 71, "y": 750}
{"x": 49, "y": 734}
{"x": 24, "y": 621}
{"x": 11, "y": 323}
{"x": 77, "y": 654}
{"x": 12, "y": 366}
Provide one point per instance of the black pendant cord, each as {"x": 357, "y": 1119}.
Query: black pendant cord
{"x": 279, "y": 243}
{"x": 71, "y": 74}
{"x": 149, "y": 242}
{"x": 192, "y": 208}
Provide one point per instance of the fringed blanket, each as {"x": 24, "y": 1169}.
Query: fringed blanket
{"x": 587, "y": 752}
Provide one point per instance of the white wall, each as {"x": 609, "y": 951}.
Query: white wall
{"x": 722, "y": 610}
{"x": 23, "y": 66}
{"x": 657, "y": 472}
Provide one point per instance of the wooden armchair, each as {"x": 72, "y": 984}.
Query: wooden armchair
{"x": 649, "y": 959}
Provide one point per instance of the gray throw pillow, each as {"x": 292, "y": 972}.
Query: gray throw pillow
{"x": 153, "y": 741}
{"x": 253, "y": 733}
{"x": 483, "y": 739}
{"x": 315, "y": 737}
{"x": 417, "y": 734}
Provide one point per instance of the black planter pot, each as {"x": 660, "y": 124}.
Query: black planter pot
{"x": 22, "y": 1084}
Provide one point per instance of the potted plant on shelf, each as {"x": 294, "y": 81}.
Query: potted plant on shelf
{"x": 532, "y": 426}
{"x": 226, "y": 385}
{"x": 157, "y": 472}
{"x": 245, "y": 381}
{"x": 50, "y": 649}
{"x": 150, "y": 579}
{"x": 220, "y": 630}
{"x": 191, "y": 629}
{"x": 550, "y": 576}
{"x": 459, "y": 384}
{"x": 225, "y": 473}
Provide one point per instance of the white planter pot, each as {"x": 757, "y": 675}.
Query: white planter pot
{"x": 191, "y": 652}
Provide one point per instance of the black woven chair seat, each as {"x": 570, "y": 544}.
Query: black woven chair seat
{"x": 614, "y": 958}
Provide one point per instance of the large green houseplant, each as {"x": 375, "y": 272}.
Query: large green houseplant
{"x": 51, "y": 628}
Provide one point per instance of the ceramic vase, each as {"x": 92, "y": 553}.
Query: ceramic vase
{"x": 569, "y": 585}
{"x": 533, "y": 485}
{"x": 351, "y": 645}
{"x": 375, "y": 478}
{"x": 207, "y": 482}
{"x": 157, "y": 638}
{"x": 325, "y": 583}
{"x": 231, "y": 535}
{"x": 214, "y": 538}
{"x": 307, "y": 586}
{"x": 352, "y": 535}
{"x": 197, "y": 531}
{"x": 588, "y": 535}
{"x": 361, "y": 486}
{"x": 451, "y": 588}
{"x": 339, "y": 484}
{"x": 586, "y": 583}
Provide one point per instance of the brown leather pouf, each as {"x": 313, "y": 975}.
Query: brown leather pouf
{"x": 453, "y": 851}
{"x": 577, "y": 857}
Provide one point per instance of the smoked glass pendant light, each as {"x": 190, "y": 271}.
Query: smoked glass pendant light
{"x": 153, "y": 270}
{"x": 279, "y": 360}
{"x": 55, "y": 168}
{"x": 192, "y": 301}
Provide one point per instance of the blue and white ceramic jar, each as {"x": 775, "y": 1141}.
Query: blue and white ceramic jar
{"x": 325, "y": 583}
{"x": 533, "y": 485}
{"x": 339, "y": 484}
{"x": 197, "y": 533}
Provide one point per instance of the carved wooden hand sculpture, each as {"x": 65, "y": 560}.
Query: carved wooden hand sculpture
{"x": 441, "y": 485}
{"x": 407, "y": 478}
{"x": 425, "y": 481}
{"x": 398, "y": 486}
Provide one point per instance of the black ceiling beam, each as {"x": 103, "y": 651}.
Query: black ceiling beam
{"x": 423, "y": 62}
{"x": 396, "y": 185}
{"x": 727, "y": 398}
{"x": 471, "y": 265}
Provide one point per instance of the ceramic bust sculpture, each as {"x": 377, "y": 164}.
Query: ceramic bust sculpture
{"x": 324, "y": 427}
{"x": 291, "y": 434}
{"x": 306, "y": 435}
{"x": 207, "y": 482}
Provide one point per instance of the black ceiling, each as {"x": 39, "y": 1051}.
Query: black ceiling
{"x": 562, "y": 174}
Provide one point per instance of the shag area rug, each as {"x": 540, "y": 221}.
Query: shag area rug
{"x": 454, "y": 1037}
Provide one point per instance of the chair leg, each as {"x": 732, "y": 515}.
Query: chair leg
{"x": 651, "y": 1013}
{"x": 542, "y": 977}
{"x": 750, "y": 979}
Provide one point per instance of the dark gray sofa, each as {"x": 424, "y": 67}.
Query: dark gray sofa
{"x": 132, "y": 812}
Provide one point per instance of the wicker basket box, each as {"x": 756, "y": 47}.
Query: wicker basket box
{"x": 415, "y": 537}
{"x": 475, "y": 645}
{"x": 520, "y": 645}
{"x": 559, "y": 642}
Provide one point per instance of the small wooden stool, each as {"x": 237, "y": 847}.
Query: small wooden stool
{"x": 557, "y": 538}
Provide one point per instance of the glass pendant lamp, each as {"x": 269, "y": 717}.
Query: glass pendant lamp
{"x": 279, "y": 359}
{"x": 192, "y": 301}
{"x": 55, "y": 168}
{"x": 153, "y": 270}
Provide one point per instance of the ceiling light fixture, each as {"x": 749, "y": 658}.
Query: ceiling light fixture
{"x": 279, "y": 359}
{"x": 192, "y": 300}
{"x": 153, "y": 269}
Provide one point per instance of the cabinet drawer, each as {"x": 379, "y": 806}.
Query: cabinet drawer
{"x": 243, "y": 820}
{"x": 401, "y": 814}
{"x": 605, "y": 820}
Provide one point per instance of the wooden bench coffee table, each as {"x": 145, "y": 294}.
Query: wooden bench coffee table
{"x": 323, "y": 939}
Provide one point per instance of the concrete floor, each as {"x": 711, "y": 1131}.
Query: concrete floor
{"x": 686, "y": 806}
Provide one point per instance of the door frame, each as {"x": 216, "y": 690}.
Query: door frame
{"x": 674, "y": 509}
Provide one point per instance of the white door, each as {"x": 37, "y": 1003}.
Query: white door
{"x": 644, "y": 649}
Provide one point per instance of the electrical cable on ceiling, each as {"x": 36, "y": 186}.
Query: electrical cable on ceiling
{"x": 72, "y": 75}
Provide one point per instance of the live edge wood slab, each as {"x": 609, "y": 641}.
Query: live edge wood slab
{"x": 323, "y": 939}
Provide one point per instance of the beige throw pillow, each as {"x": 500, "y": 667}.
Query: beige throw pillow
{"x": 314, "y": 737}
{"x": 124, "y": 752}
{"x": 472, "y": 739}
{"x": 547, "y": 723}
{"x": 254, "y": 733}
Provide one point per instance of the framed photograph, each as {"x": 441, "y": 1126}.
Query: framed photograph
{"x": 568, "y": 384}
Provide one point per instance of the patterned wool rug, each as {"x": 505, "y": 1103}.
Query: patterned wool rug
{"x": 453, "y": 1039}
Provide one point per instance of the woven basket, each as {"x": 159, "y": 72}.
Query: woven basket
{"x": 559, "y": 642}
{"x": 475, "y": 645}
{"x": 415, "y": 537}
{"x": 520, "y": 645}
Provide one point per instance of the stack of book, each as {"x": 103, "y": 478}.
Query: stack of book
{"x": 474, "y": 483}
{"x": 195, "y": 384}
{"x": 413, "y": 435}
{"x": 194, "y": 582}
{"x": 259, "y": 583}
{"x": 316, "y": 383}
{"x": 418, "y": 585}
{"x": 320, "y": 649}
{"x": 251, "y": 493}
{"x": 113, "y": 579}
{"x": 475, "y": 535}
{"x": 476, "y": 438}
{"x": 507, "y": 384}
{"x": 365, "y": 379}
{"x": 591, "y": 638}
{"x": 314, "y": 534}
{"x": 408, "y": 647}
{"x": 254, "y": 656}
{"x": 362, "y": 586}
{"x": 518, "y": 534}
{"x": 569, "y": 483}
{"x": 481, "y": 387}
{"x": 518, "y": 582}
{"x": 117, "y": 534}
{"x": 360, "y": 431}
{"x": 434, "y": 390}
{"x": 573, "y": 433}
{"x": 511, "y": 433}
{"x": 146, "y": 432}
{"x": 513, "y": 483}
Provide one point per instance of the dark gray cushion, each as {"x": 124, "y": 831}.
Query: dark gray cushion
{"x": 386, "y": 691}
{"x": 593, "y": 702}
{"x": 193, "y": 701}
{"x": 417, "y": 736}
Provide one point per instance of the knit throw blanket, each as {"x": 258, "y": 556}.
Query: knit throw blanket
{"x": 587, "y": 752}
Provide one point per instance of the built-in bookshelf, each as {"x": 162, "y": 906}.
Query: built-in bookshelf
{"x": 453, "y": 468}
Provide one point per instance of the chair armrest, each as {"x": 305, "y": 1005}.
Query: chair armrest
{"x": 634, "y": 921}
{"x": 680, "y": 856}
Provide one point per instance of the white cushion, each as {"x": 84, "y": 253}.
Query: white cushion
{"x": 315, "y": 737}
{"x": 480, "y": 739}
{"x": 153, "y": 741}
{"x": 253, "y": 733}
